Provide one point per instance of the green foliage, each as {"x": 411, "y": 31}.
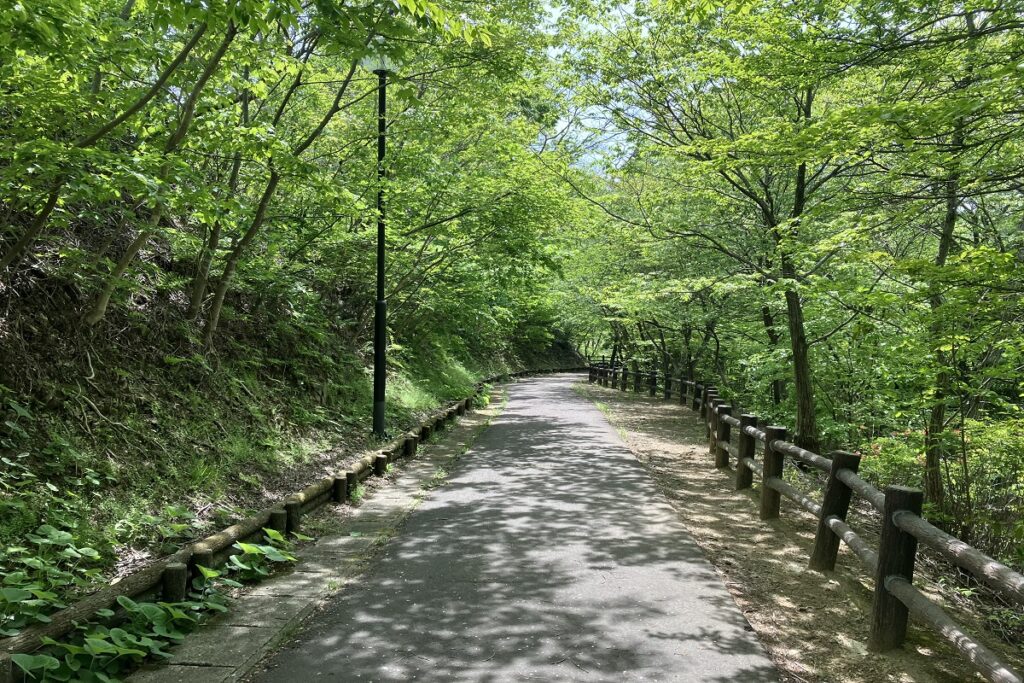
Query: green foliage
{"x": 356, "y": 494}
{"x": 116, "y": 643}
{"x": 257, "y": 561}
{"x": 39, "y": 577}
{"x": 814, "y": 206}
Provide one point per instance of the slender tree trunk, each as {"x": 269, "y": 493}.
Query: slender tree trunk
{"x": 217, "y": 305}
{"x": 33, "y": 230}
{"x": 933, "y": 446}
{"x": 99, "y": 308}
{"x": 774, "y": 339}
{"x": 806, "y": 419}
{"x": 807, "y": 435}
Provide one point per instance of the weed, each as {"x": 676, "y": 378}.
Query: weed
{"x": 356, "y": 494}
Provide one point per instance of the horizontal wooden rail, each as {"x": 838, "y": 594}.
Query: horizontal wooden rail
{"x": 983, "y": 659}
{"x": 755, "y": 432}
{"x": 857, "y": 544}
{"x": 862, "y": 488}
{"x": 729, "y": 419}
{"x": 812, "y": 459}
{"x": 994, "y": 574}
{"x": 794, "y": 494}
{"x": 902, "y": 526}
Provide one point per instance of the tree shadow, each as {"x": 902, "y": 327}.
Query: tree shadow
{"x": 549, "y": 555}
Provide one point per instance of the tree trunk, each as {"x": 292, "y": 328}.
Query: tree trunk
{"x": 213, "y": 320}
{"x": 806, "y": 419}
{"x": 774, "y": 338}
{"x": 933, "y": 447}
{"x": 99, "y": 308}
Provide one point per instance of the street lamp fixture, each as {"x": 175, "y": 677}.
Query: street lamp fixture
{"x": 381, "y": 66}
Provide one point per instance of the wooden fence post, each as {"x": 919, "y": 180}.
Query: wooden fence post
{"x": 708, "y": 389}
{"x": 636, "y": 380}
{"x": 294, "y": 510}
{"x": 615, "y": 377}
{"x": 625, "y": 379}
{"x": 896, "y": 553}
{"x": 723, "y": 435}
{"x": 339, "y": 489}
{"x": 653, "y": 387}
{"x": 835, "y": 503}
{"x": 668, "y": 386}
{"x": 278, "y": 520}
{"x": 684, "y": 391}
{"x": 698, "y": 393}
{"x": 202, "y": 558}
{"x": 747, "y": 443}
{"x": 174, "y": 582}
{"x": 771, "y": 467}
{"x": 707, "y": 412}
{"x": 712, "y": 426}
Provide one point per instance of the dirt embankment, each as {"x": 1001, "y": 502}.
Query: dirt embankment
{"x": 814, "y": 625}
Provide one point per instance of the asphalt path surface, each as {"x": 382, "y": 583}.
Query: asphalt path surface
{"x": 549, "y": 555}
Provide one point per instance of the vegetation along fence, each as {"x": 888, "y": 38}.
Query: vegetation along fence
{"x": 169, "y": 578}
{"x": 736, "y": 441}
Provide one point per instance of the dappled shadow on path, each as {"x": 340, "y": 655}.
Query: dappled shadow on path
{"x": 548, "y": 556}
{"x": 814, "y": 624}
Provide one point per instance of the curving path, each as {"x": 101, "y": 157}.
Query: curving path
{"x": 550, "y": 556}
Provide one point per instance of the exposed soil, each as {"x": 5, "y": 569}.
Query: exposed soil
{"x": 814, "y": 625}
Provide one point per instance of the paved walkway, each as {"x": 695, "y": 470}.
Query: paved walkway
{"x": 549, "y": 555}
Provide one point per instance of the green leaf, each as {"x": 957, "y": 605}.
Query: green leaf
{"x": 35, "y": 663}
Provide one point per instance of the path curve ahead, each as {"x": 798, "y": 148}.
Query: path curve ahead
{"x": 551, "y": 556}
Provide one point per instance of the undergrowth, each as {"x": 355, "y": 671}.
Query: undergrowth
{"x": 114, "y": 643}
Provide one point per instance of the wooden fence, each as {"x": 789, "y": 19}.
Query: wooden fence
{"x": 735, "y": 441}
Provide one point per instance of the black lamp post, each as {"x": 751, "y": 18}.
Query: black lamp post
{"x": 380, "y": 66}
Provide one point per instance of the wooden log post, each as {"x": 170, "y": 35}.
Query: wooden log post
{"x": 668, "y": 386}
{"x": 351, "y": 482}
{"x": 712, "y": 427}
{"x": 707, "y": 411}
{"x": 724, "y": 434}
{"x": 174, "y": 582}
{"x": 294, "y": 510}
{"x": 897, "y": 551}
{"x": 772, "y": 466}
{"x": 278, "y": 520}
{"x": 684, "y": 391}
{"x": 698, "y": 392}
{"x": 705, "y": 398}
{"x": 425, "y": 431}
{"x": 380, "y": 465}
{"x": 746, "y": 447}
{"x": 202, "y": 558}
{"x": 653, "y": 385}
{"x": 409, "y": 445}
{"x": 625, "y": 379}
{"x": 835, "y": 503}
{"x": 615, "y": 378}
{"x": 339, "y": 490}
{"x": 636, "y": 380}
